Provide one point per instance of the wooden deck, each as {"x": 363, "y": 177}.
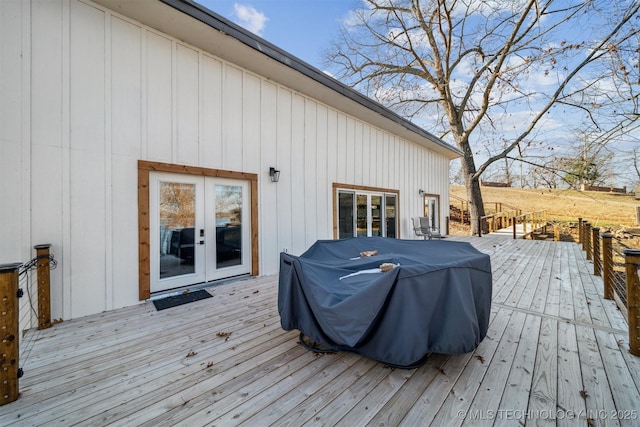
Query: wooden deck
{"x": 555, "y": 354}
{"x": 520, "y": 231}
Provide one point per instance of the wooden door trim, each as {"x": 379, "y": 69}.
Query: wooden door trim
{"x": 144, "y": 247}
{"x": 355, "y": 188}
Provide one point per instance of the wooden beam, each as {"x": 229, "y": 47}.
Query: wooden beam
{"x": 632, "y": 269}
{"x": 9, "y": 333}
{"x": 44, "y": 286}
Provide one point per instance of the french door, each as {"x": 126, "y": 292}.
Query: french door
{"x": 199, "y": 229}
{"x": 432, "y": 209}
{"x": 365, "y": 213}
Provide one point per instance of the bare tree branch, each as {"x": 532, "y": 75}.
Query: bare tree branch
{"x": 471, "y": 64}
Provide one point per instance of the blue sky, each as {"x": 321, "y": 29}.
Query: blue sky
{"x": 305, "y": 28}
{"x": 301, "y": 27}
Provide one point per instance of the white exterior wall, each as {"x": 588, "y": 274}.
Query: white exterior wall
{"x": 86, "y": 93}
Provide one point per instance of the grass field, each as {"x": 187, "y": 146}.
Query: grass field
{"x": 600, "y": 209}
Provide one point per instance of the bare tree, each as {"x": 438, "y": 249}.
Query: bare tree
{"x": 636, "y": 165}
{"x": 466, "y": 68}
{"x": 591, "y": 167}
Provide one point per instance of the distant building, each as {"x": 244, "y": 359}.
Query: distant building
{"x": 587, "y": 187}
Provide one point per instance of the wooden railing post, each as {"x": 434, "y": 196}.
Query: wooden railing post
{"x": 515, "y": 221}
{"x": 595, "y": 238}
{"x": 607, "y": 265}
{"x": 580, "y": 231}
{"x": 587, "y": 240}
{"x": 44, "y": 286}
{"x": 556, "y": 232}
{"x": 9, "y": 360}
{"x": 632, "y": 270}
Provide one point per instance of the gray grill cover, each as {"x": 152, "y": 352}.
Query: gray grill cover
{"x": 437, "y": 300}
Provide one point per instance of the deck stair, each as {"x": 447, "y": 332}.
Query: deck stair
{"x": 459, "y": 209}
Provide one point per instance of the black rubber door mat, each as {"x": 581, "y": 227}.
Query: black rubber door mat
{"x": 176, "y": 300}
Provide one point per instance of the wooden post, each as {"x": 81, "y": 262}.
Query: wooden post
{"x": 580, "y": 230}
{"x": 607, "y": 265}
{"x": 595, "y": 238}
{"x": 556, "y": 232}
{"x": 44, "y": 286}
{"x": 514, "y": 226}
{"x": 587, "y": 240}
{"x": 632, "y": 270}
{"x": 447, "y": 221}
{"x": 9, "y": 361}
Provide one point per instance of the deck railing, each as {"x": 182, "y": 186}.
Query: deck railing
{"x": 499, "y": 220}
{"x": 619, "y": 266}
{"x": 500, "y": 207}
{"x": 10, "y": 292}
{"x": 531, "y": 223}
{"x": 459, "y": 209}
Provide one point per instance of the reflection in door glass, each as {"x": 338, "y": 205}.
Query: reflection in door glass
{"x": 390, "y": 215}
{"x": 376, "y": 201}
{"x": 431, "y": 210}
{"x": 361, "y": 212}
{"x": 228, "y": 225}
{"x": 177, "y": 222}
{"x": 345, "y": 215}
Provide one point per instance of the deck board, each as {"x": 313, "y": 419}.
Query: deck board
{"x": 594, "y": 376}
{"x": 553, "y": 345}
{"x": 488, "y": 396}
{"x": 515, "y": 395}
{"x": 468, "y": 383}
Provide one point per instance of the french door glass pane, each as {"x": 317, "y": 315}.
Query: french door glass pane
{"x": 390, "y": 215}
{"x": 376, "y": 204}
{"x": 345, "y": 215}
{"x": 228, "y": 207}
{"x": 431, "y": 210}
{"x": 361, "y": 215}
{"x": 177, "y": 223}
{"x": 375, "y": 214}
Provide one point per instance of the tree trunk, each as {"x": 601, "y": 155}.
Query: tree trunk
{"x": 474, "y": 194}
{"x": 476, "y": 206}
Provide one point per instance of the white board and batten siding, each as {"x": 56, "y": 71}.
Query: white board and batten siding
{"x": 86, "y": 93}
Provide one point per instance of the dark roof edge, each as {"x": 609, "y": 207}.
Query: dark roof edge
{"x": 219, "y": 23}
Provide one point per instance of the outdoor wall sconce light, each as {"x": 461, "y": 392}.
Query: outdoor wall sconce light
{"x": 420, "y": 193}
{"x": 274, "y": 174}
